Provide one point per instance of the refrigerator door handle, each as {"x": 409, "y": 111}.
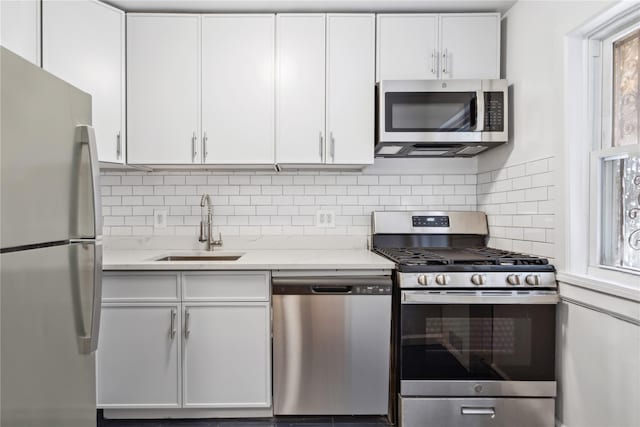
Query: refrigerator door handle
{"x": 86, "y": 135}
{"x": 96, "y": 309}
{"x": 88, "y": 336}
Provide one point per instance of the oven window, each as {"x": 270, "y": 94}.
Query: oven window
{"x": 430, "y": 111}
{"x": 478, "y": 342}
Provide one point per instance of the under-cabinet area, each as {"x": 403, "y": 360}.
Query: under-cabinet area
{"x": 185, "y": 340}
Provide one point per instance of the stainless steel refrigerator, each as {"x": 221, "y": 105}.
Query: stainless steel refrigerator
{"x": 50, "y": 250}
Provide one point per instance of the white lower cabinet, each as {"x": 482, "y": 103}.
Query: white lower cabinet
{"x": 225, "y": 364}
{"x": 205, "y": 350}
{"x": 138, "y": 362}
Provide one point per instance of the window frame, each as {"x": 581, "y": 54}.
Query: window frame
{"x": 600, "y": 69}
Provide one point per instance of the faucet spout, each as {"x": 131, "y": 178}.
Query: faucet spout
{"x": 205, "y": 200}
{"x": 206, "y": 234}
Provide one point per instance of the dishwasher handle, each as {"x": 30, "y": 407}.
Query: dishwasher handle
{"x": 331, "y": 289}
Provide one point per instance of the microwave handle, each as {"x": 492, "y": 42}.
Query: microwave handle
{"x": 480, "y": 111}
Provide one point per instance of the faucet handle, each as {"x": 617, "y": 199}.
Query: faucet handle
{"x": 219, "y": 241}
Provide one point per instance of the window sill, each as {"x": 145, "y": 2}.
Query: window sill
{"x": 602, "y": 286}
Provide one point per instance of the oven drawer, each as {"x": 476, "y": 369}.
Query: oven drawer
{"x": 479, "y": 412}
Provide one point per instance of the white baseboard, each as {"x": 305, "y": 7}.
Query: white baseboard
{"x": 187, "y": 413}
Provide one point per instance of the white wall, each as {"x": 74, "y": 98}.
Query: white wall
{"x": 533, "y": 62}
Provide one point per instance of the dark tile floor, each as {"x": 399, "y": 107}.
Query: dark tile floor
{"x": 342, "y": 421}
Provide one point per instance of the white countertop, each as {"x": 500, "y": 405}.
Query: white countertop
{"x": 252, "y": 259}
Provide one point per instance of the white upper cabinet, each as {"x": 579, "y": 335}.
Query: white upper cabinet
{"x": 163, "y": 88}
{"x": 446, "y": 46}
{"x": 300, "y": 116}
{"x": 407, "y": 46}
{"x": 83, "y": 43}
{"x": 20, "y": 28}
{"x": 238, "y": 61}
{"x": 470, "y": 46}
{"x": 325, "y": 89}
{"x": 350, "y": 88}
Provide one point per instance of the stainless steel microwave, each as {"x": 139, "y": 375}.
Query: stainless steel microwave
{"x": 440, "y": 118}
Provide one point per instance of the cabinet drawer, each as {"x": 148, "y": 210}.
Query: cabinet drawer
{"x": 225, "y": 286}
{"x": 477, "y": 412}
{"x": 140, "y": 287}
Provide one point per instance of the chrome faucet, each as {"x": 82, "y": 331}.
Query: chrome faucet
{"x": 207, "y": 236}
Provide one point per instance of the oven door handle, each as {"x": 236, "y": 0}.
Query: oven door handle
{"x": 422, "y": 297}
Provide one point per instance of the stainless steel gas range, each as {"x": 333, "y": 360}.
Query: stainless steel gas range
{"x": 474, "y": 326}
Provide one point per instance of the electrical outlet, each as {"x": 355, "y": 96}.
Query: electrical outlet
{"x": 325, "y": 219}
{"x": 159, "y": 219}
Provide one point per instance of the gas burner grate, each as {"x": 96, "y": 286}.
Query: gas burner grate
{"x": 459, "y": 256}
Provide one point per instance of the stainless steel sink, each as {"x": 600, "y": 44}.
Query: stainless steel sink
{"x": 200, "y": 258}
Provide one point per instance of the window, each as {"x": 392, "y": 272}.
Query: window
{"x": 615, "y": 159}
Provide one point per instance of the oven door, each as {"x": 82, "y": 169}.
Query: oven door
{"x": 477, "y": 343}
{"x": 431, "y": 111}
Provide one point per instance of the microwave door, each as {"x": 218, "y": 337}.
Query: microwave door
{"x": 430, "y": 117}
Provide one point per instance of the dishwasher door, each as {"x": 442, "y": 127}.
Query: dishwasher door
{"x": 331, "y": 345}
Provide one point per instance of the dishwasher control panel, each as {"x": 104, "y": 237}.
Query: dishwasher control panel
{"x": 348, "y": 286}
{"x": 371, "y": 290}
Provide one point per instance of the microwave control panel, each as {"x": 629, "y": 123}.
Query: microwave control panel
{"x": 494, "y": 111}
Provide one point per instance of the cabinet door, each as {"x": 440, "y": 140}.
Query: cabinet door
{"x": 20, "y": 28}
{"x": 407, "y": 47}
{"x": 163, "y": 88}
{"x": 238, "y": 60}
{"x": 300, "y": 95}
{"x": 226, "y": 355}
{"x": 470, "y": 46}
{"x": 138, "y": 358}
{"x": 83, "y": 43}
{"x": 350, "y": 88}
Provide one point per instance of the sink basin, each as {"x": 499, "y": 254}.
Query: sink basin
{"x": 225, "y": 257}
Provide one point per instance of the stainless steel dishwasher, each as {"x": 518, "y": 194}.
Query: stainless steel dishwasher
{"x": 331, "y": 345}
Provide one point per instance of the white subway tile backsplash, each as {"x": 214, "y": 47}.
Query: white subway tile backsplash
{"x": 272, "y": 203}
{"x": 256, "y": 203}
{"x": 519, "y": 203}
{"x": 538, "y": 166}
{"x": 454, "y": 179}
{"x": 389, "y": 180}
{"x": 422, "y": 190}
{"x": 195, "y": 180}
{"x": 410, "y": 180}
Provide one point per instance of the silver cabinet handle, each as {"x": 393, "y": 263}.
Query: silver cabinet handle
{"x": 333, "y": 146}
{"x": 320, "y": 144}
{"x": 433, "y": 61}
{"x": 187, "y": 316}
{"x": 86, "y": 135}
{"x": 478, "y": 411}
{"x": 205, "y": 152}
{"x": 444, "y": 61}
{"x": 118, "y": 146}
{"x": 194, "y": 149}
{"x": 173, "y": 323}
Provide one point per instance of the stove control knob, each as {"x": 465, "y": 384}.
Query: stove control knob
{"x": 532, "y": 279}
{"x": 442, "y": 279}
{"x": 423, "y": 279}
{"x": 513, "y": 279}
{"x": 477, "y": 279}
